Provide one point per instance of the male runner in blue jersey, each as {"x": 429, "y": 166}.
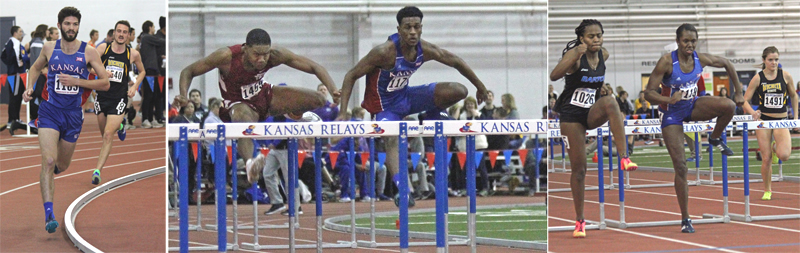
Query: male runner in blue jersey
{"x": 388, "y": 67}
{"x": 680, "y": 72}
{"x": 60, "y": 114}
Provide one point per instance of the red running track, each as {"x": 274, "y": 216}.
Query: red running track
{"x": 131, "y": 218}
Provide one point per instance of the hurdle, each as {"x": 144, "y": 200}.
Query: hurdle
{"x": 193, "y": 227}
{"x": 747, "y": 217}
{"x": 601, "y": 223}
{"x": 554, "y": 133}
{"x": 724, "y": 218}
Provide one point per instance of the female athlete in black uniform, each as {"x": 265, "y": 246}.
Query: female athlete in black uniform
{"x": 583, "y": 67}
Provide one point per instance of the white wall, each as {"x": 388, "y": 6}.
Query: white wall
{"x": 506, "y": 50}
{"x": 95, "y": 14}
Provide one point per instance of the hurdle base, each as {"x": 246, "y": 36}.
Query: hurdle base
{"x": 285, "y": 225}
{"x": 740, "y": 217}
{"x": 624, "y": 225}
{"x": 250, "y": 246}
{"x": 370, "y": 244}
{"x": 593, "y": 188}
{"x": 191, "y": 228}
{"x": 590, "y": 225}
{"x": 206, "y": 248}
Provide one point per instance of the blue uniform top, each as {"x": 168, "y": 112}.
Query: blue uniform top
{"x": 687, "y": 82}
{"x": 64, "y": 97}
{"x": 383, "y": 86}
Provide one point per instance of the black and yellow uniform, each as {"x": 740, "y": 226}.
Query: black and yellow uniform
{"x": 772, "y": 95}
{"x": 115, "y": 100}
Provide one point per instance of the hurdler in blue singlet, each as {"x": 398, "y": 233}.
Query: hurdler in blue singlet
{"x": 676, "y": 114}
{"x": 61, "y": 108}
{"x": 388, "y": 96}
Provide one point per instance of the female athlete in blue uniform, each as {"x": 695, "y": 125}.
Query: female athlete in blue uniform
{"x": 680, "y": 72}
{"x": 388, "y": 68}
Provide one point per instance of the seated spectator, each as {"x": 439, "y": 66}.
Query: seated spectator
{"x": 186, "y": 115}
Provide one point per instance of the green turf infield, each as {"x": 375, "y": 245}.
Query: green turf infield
{"x": 517, "y": 223}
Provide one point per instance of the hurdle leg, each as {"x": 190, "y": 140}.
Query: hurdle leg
{"x": 352, "y": 158}
{"x": 292, "y": 184}
{"x": 403, "y": 171}
{"x": 318, "y": 189}
{"x": 471, "y": 201}
{"x": 184, "y": 191}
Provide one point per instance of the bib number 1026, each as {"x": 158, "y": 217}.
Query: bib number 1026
{"x": 583, "y": 97}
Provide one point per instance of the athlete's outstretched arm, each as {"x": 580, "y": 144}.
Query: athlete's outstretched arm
{"x": 651, "y": 94}
{"x": 433, "y": 52}
{"x": 369, "y": 63}
{"x": 302, "y": 63}
{"x": 212, "y": 61}
{"x": 792, "y": 92}
{"x": 36, "y": 69}
{"x": 136, "y": 59}
{"x": 721, "y": 62}
{"x": 93, "y": 60}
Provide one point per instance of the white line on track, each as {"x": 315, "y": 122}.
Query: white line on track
{"x": 90, "y": 158}
{"x": 79, "y": 172}
{"x": 664, "y": 238}
{"x": 678, "y": 214}
{"x": 123, "y": 146}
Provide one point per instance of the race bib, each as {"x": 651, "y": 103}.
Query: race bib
{"x": 689, "y": 93}
{"x": 583, "y": 97}
{"x": 251, "y": 90}
{"x": 773, "y": 100}
{"x": 397, "y": 83}
{"x": 116, "y": 73}
{"x": 66, "y": 90}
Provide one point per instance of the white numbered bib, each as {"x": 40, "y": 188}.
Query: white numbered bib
{"x": 583, "y": 97}
{"x": 66, "y": 90}
{"x": 773, "y": 100}
{"x": 116, "y": 73}
{"x": 251, "y": 90}
{"x": 397, "y": 83}
{"x": 689, "y": 93}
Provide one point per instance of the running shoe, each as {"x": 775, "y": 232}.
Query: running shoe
{"x": 382, "y": 197}
{"x": 96, "y": 177}
{"x": 721, "y": 146}
{"x": 767, "y": 196}
{"x": 299, "y": 211}
{"x": 627, "y": 165}
{"x": 411, "y": 201}
{"x": 121, "y": 133}
{"x": 253, "y": 167}
{"x": 345, "y": 200}
{"x": 594, "y": 159}
{"x": 56, "y": 171}
{"x": 580, "y": 229}
{"x": 275, "y": 208}
{"x": 51, "y": 224}
{"x": 686, "y": 226}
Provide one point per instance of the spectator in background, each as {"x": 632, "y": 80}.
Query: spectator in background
{"x": 641, "y": 104}
{"x": 197, "y": 99}
{"x": 508, "y": 109}
{"x": 624, "y": 105}
{"x": 109, "y": 37}
{"x": 17, "y": 62}
{"x": 36, "y": 46}
{"x": 358, "y": 114}
{"x": 93, "y": 36}
{"x": 152, "y": 112}
{"x": 549, "y": 112}
{"x": 723, "y": 92}
{"x": 551, "y": 93}
{"x": 619, "y": 90}
{"x": 330, "y": 110}
{"x": 52, "y": 34}
{"x": 212, "y": 115}
{"x": 186, "y": 115}
{"x": 161, "y": 51}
